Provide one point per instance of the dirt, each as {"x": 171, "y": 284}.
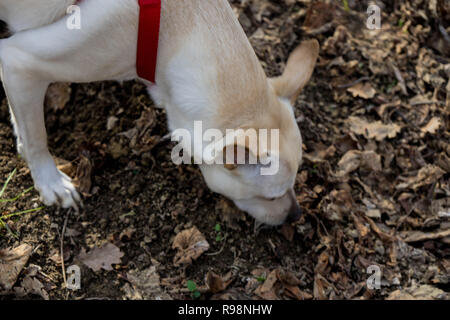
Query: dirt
{"x": 384, "y": 204}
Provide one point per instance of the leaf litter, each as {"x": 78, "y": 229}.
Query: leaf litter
{"x": 374, "y": 185}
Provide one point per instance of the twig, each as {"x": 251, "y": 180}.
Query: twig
{"x": 221, "y": 249}
{"x": 400, "y": 78}
{"x": 354, "y": 83}
{"x": 419, "y": 103}
{"x": 323, "y": 29}
{"x": 62, "y": 248}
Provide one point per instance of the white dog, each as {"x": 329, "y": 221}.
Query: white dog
{"x": 206, "y": 70}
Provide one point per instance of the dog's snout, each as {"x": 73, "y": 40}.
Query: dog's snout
{"x": 295, "y": 212}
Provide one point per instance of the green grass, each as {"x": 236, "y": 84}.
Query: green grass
{"x": 346, "y": 6}
{"x": 4, "y": 218}
{"x": 8, "y": 180}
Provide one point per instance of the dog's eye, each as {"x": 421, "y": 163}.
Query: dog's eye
{"x": 272, "y": 199}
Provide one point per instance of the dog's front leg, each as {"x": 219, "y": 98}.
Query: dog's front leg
{"x": 25, "y": 92}
{"x": 104, "y": 49}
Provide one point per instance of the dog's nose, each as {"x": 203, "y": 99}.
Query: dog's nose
{"x": 295, "y": 213}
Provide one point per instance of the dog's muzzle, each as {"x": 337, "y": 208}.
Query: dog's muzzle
{"x": 295, "y": 212}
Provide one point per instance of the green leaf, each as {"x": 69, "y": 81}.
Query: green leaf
{"x": 218, "y": 228}
{"x": 191, "y": 286}
{"x": 346, "y": 6}
{"x": 197, "y": 294}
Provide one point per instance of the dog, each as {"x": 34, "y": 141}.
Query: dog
{"x": 206, "y": 71}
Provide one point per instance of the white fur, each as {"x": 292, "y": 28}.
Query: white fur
{"x": 43, "y": 50}
{"x": 47, "y": 51}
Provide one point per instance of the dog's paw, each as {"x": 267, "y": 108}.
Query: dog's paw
{"x": 55, "y": 188}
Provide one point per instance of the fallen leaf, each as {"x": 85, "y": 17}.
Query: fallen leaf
{"x": 145, "y": 285}
{"x": 363, "y": 230}
{"x": 426, "y": 176}
{"x": 229, "y": 214}
{"x": 217, "y": 283}
{"x": 12, "y": 261}
{"x": 267, "y": 290}
{"x": 416, "y": 292}
{"x": 56, "y": 258}
{"x": 190, "y": 244}
{"x": 288, "y": 232}
{"x": 355, "y": 159}
{"x": 281, "y": 284}
{"x": 66, "y": 167}
{"x": 417, "y": 236}
{"x": 373, "y": 130}
{"x": 31, "y": 285}
{"x": 363, "y": 90}
{"x": 432, "y": 126}
{"x": 349, "y": 163}
{"x": 127, "y": 233}
{"x": 101, "y": 258}
{"x": 58, "y": 94}
{"x": 111, "y": 123}
{"x": 320, "y": 154}
{"x": 321, "y": 286}
{"x": 83, "y": 175}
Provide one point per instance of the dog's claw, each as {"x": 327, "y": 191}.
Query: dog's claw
{"x": 56, "y": 188}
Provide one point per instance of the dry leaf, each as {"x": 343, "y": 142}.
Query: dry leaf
{"x": 363, "y": 230}
{"x": 426, "y": 176}
{"x": 58, "y": 94}
{"x": 415, "y": 292}
{"x": 83, "y": 175}
{"x": 267, "y": 290}
{"x": 111, "y": 123}
{"x": 288, "y": 232}
{"x": 320, "y": 154}
{"x": 66, "y": 167}
{"x": 281, "y": 284}
{"x": 432, "y": 126}
{"x": 190, "y": 244}
{"x": 31, "y": 285}
{"x": 56, "y": 258}
{"x": 217, "y": 283}
{"x": 416, "y": 236}
{"x": 349, "y": 163}
{"x": 12, "y": 261}
{"x": 355, "y": 159}
{"x": 101, "y": 258}
{"x": 145, "y": 285}
{"x": 363, "y": 90}
{"x": 321, "y": 286}
{"x": 373, "y": 130}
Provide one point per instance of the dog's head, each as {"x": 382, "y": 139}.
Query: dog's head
{"x": 264, "y": 187}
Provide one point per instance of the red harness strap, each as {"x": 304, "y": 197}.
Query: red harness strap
{"x": 148, "y": 37}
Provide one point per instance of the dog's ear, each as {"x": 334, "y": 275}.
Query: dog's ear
{"x": 239, "y": 147}
{"x": 299, "y": 69}
{"x": 235, "y": 154}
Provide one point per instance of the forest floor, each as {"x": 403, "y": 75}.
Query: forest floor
{"x": 374, "y": 185}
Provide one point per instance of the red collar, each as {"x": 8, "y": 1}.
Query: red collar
{"x": 148, "y": 38}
